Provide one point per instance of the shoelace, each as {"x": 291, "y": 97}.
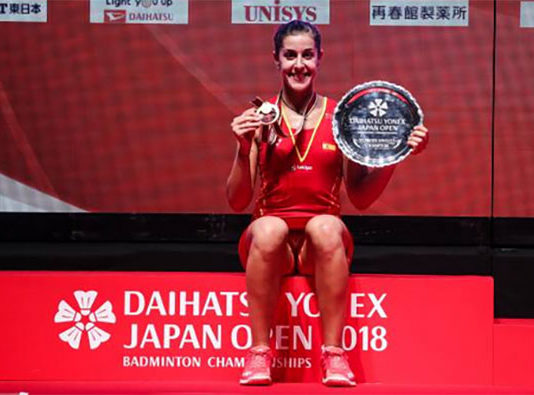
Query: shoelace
{"x": 258, "y": 358}
{"x": 338, "y": 362}
{"x": 337, "y": 359}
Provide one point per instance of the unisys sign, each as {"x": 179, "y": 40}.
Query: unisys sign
{"x": 189, "y": 326}
{"x": 280, "y": 11}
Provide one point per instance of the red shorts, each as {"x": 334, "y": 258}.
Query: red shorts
{"x": 296, "y": 239}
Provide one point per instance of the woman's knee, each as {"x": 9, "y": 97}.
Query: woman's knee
{"x": 269, "y": 235}
{"x": 324, "y": 233}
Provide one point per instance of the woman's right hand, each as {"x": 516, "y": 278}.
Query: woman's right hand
{"x": 244, "y": 127}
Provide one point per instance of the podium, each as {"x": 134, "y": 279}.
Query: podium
{"x": 117, "y": 326}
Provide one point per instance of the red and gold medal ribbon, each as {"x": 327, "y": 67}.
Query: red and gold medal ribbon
{"x": 301, "y": 157}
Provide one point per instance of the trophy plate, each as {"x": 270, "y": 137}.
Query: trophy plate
{"x": 373, "y": 121}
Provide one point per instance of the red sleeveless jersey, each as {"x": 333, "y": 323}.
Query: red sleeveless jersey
{"x": 300, "y": 177}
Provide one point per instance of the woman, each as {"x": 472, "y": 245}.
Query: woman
{"x": 296, "y": 224}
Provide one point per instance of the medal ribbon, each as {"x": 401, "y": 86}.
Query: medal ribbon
{"x": 301, "y": 157}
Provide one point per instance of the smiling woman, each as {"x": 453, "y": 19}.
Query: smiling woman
{"x": 296, "y": 225}
{"x": 297, "y": 56}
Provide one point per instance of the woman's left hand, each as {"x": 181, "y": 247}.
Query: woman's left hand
{"x": 418, "y": 139}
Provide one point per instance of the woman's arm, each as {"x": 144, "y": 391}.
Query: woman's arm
{"x": 240, "y": 183}
{"x": 365, "y": 185}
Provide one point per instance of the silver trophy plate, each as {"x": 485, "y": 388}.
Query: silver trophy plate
{"x": 372, "y": 123}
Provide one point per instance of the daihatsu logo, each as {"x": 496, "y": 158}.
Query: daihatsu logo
{"x": 84, "y": 320}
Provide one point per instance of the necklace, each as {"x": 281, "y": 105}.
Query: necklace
{"x": 307, "y": 110}
{"x": 302, "y": 157}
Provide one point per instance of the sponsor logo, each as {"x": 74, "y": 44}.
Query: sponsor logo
{"x": 419, "y": 13}
{"x": 115, "y": 16}
{"x": 279, "y": 11}
{"x": 137, "y": 3}
{"x": 148, "y": 318}
{"x": 527, "y": 14}
{"x": 150, "y": 17}
{"x": 139, "y": 11}
{"x": 301, "y": 167}
{"x": 84, "y": 320}
{"x": 378, "y": 108}
{"x": 23, "y": 11}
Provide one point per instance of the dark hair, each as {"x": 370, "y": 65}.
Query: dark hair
{"x": 295, "y": 27}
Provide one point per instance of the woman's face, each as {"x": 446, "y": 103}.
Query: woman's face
{"x": 298, "y": 61}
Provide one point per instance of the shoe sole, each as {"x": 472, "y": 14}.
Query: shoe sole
{"x": 338, "y": 382}
{"x": 261, "y": 380}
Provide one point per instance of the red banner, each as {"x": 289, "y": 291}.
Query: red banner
{"x": 184, "y": 326}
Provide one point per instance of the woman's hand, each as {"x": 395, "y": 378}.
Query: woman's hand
{"x": 418, "y": 139}
{"x": 244, "y": 127}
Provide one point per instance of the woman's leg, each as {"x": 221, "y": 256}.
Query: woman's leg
{"x": 328, "y": 249}
{"x": 325, "y": 252}
{"x": 267, "y": 257}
